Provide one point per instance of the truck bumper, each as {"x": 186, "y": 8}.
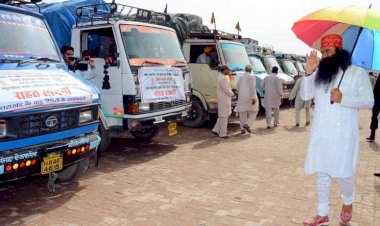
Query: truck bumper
{"x": 22, "y": 162}
{"x": 142, "y": 121}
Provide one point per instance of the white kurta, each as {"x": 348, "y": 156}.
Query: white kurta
{"x": 299, "y": 103}
{"x": 203, "y": 59}
{"x": 272, "y": 87}
{"x": 246, "y": 87}
{"x": 334, "y": 141}
{"x": 224, "y": 94}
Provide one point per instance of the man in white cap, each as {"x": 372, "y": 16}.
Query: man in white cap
{"x": 224, "y": 94}
{"x": 247, "y": 105}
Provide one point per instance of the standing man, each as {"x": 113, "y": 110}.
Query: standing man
{"x": 334, "y": 142}
{"x": 299, "y": 103}
{"x": 375, "y": 111}
{"x": 247, "y": 104}
{"x": 224, "y": 94}
{"x": 272, "y": 88}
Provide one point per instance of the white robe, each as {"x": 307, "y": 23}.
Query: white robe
{"x": 246, "y": 87}
{"x": 224, "y": 94}
{"x": 334, "y": 141}
{"x": 299, "y": 103}
{"x": 272, "y": 87}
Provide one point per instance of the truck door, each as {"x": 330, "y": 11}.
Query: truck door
{"x": 204, "y": 60}
{"x": 101, "y": 43}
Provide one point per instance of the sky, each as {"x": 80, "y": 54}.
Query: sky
{"x": 268, "y": 21}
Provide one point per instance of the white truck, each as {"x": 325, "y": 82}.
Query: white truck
{"x": 140, "y": 70}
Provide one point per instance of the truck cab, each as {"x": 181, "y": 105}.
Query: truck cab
{"x": 269, "y": 60}
{"x": 48, "y": 116}
{"x": 287, "y": 64}
{"x": 140, "y": 69}
{"x": 224, "y": 50}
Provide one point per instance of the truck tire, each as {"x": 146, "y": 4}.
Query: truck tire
{"x": 198, "y": 115}
{"x": 74, "y": 171}
{"x": 105, "y": 139}
{"x": 145, "y": 134}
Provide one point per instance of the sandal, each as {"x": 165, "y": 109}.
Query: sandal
{"x": 345, "y": 216}
{"x": 314, "y": 222}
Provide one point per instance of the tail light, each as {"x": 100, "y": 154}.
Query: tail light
{"x": 133, "y": 108}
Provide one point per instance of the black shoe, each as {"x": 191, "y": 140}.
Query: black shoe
{"x": 215, "y": 133}
{"x": 269, "y": 127}
{"x": 276, "y": 124}
{"x": 242, "y": 131}
{"x": 376, "y": 174}
{"x": 297, "y": 124}
{"x": 307, "y": 123}
{"x": 370, "y": 139}
{"x": 246, "y": 127}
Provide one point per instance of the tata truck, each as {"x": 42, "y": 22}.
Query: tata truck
{"x": 141, "y": 72}
{"x": 48, "y": 116}
{"x": 224, "y": 50}
{"x": 269, "y": 60}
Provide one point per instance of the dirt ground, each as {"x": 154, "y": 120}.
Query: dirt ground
{"x": 195, "y": 178}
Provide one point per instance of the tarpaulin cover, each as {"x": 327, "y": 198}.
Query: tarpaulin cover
{"x": 61, "y": 17}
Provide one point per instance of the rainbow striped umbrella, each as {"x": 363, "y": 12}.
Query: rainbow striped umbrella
{"x": 355, "y": 24}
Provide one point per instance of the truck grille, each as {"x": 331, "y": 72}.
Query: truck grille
{"x": 47, "y": 122}
{"x": 26, "y": 125}
{"x": 167, "y": 105}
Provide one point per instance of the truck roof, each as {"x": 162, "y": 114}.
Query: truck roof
{"x": 102, "y": 23}
{"x": 19, "y": 10}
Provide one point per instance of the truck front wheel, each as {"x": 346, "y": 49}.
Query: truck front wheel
{"x": 105, "y": 139}
{"x": 74, "y": 171}
{"x": 197, "y": 115}
{"x": 145, "y": 134}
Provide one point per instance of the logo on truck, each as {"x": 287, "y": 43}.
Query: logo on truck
{"x": 51, "y": 121}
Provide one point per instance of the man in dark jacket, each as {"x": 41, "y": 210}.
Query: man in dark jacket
{"x": 375, "y": 114}
{"x": 375, "y": 111}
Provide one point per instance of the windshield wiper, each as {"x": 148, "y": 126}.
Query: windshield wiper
{"x": 38, "y": 59}
{"x": 151, "y": 62}
{"x": 8, "y": 60}
{"x": 177, "y": 62}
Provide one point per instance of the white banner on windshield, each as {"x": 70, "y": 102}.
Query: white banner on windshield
{"x": 27, "y": 89}
{"x": 161, "y": 84}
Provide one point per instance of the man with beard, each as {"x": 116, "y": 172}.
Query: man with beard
{"x": 334, "y": 141}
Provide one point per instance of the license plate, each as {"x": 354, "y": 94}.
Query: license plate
{"x": 51, "y": 164}
{"x": 172, "y": 127}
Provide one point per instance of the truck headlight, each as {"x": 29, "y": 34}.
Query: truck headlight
{"x": 144, "y": 107}
{"x": 85, "y": 116}
{"x": 3, "y": 128}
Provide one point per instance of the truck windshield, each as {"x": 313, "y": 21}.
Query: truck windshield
{"x": 235, "y": 55}
{"x": 270, "y": 62}
{"x": 290, "y": 67}
{"x": 24, "y": 36}
{"x": 150, "y": 44}
{"x": 256, "y": 63}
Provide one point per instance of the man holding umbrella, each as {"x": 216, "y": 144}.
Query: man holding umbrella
{"x": 334, "y": 141}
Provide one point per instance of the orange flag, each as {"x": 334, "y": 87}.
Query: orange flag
{"x": 237, "y": 27}
{"x": 212, "y": 18}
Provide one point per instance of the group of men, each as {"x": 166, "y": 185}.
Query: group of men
{"x": 334, "y": 142}
{"x": 248, "y": 104}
